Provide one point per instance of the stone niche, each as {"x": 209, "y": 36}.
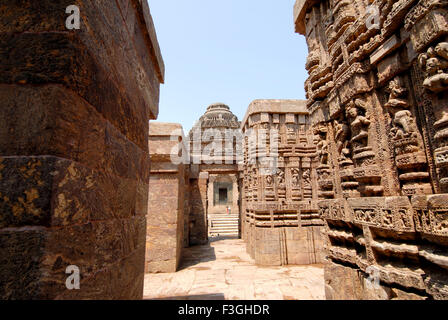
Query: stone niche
{"x": 74, "y": 162}
{"x": 168, "y": 198}
{"x": 382, "y": 134}
{"x": 279, "y": 213}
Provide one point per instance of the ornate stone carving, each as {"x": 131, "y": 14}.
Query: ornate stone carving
{"x": 286, "y": 188}
{"x": 359, "y": 124}
{"x": 407, "y": 141}
{"x": 342, "y": 137}
{"x": 435, "y": 64}
{"x": 324, "y": 177}
{"x": 403, "y": 121}
{"x": 387, "y": 112}
{"x": 295, "y": 178}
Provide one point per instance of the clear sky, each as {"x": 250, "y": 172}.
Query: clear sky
{"x": 230, "y": 51}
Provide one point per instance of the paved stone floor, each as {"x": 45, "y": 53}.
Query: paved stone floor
{"x": 223, "y": 270}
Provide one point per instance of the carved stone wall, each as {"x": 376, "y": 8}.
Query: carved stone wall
{"x": 74, "y": 163}
{"x": 280, "y": 219}
{"x": 377, "y": 97}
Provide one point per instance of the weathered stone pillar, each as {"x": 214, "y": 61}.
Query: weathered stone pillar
{"x": 198, "y": 213}
{"x": 74, "y": 163}
{"x": 235, "y": 194}
{"x": 211, "y": 192}
{"x": 165, "y": 219}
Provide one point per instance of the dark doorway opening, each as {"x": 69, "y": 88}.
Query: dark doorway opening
{"x": 223, "y": 196}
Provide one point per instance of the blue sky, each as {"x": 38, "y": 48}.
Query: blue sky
{"x": 230, "y": 51}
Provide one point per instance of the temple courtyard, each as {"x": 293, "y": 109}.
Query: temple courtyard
{"x": 222, "y": 270}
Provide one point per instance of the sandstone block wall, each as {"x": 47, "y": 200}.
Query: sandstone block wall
{"x": 74, "y": 163}
{"x": 167, "y": 198}
{"x": 280, "y": 214}
{"x": 378, "y": 101}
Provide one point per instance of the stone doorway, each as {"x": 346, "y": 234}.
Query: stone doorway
{"x": 223, "y": 196}
{"x": 223, "y": 213}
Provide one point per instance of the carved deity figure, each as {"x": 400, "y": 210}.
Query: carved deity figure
{"x": 435, "y": 63}
{"x": 269, "y": 181}
{"x": 306, "y": 177}
{"x": 322, "y": 145}
{"x": 295, "y": 177}
{"x": 281, "y": 177}
{"x": 342, "y": 136}
{"x": 403, "y": 121}
{"x": 359, "y": 124}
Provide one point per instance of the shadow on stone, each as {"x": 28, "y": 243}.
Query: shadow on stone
{"x": 219, "y": 238}
{"x": 211, "y": 296}
{"x": 197, "y": 254}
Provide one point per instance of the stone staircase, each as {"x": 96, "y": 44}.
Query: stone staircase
{"x": 223, "y": 225}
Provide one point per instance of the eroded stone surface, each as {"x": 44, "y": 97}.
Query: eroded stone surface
{"x": 378, "y": 103}
{"x": 74, "y": 162}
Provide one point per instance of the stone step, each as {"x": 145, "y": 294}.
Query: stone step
{"x": 223, "y": 221}
{"x": 229, "y": 224}
{"x": 224, "y": 228}
{"x": 224, "y": 225}
{"x": 224, "y": 233}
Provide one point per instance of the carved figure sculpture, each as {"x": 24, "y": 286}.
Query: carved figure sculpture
{"x": 403, "y": 121}
{"x": 269, "y": 181}
{"x": 295, "y": 177}
{"x": 359, "y": 124}
{"x": 435, "y": 62}
{"x": 307, "y": 177}
{"x": 322, "y": 146}
{"x": 281, "y": 177}
{"x": 342, "y": 139}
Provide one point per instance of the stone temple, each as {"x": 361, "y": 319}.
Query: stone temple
{"x": 351, "y": 183}
{"x": 215, "y": 150}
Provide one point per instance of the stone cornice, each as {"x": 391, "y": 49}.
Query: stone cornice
{"x": 300, "y": 9}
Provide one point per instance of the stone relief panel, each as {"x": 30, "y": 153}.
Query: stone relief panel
{"x": 381, "y": 132}
{"x": 407, "y": 141}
